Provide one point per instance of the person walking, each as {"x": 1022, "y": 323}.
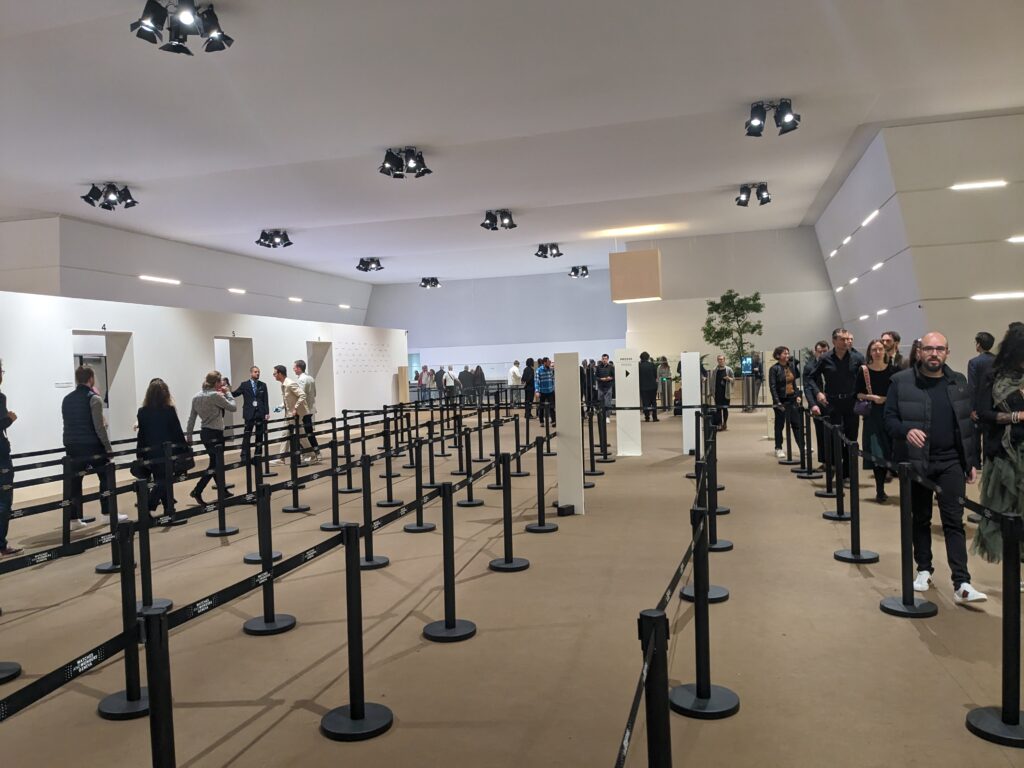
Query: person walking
{"x": 451, "y": 384}
{"x": 723, "y": 392}
{"x": 1000, "y": 404}
{"x": 544, "y": 383}
{"x": 820, "y": 348}
{"x": 785, "y": 393}
{"x": 255, "y": 411}
{"x": 293, "y": 399}
{"x": 647, "y": 382}
{"x": 424, "y": 384}
{"x": 515, "y": 383}
{"x": 480, "y": 385}
{"x": 466, "y": 386}
{"x": 977, "y": 369}
{"x": 831, "y": 387}
{"x": 86, "y": 442}
{"x": 209, "y": 406}
{"x": 928, "y": 416}
{"x": 158, "y": 424}
{"x": 7, "y": 419}
{"x": 665, "y": 382}
{"x": 528, "y": 387}
{"x": 308, "y": 384}
{"x": 757, "y": 377}
{"x": 893, "y": 356}
{"x": 872, "y": 390}
{"x": 605, "y": 383}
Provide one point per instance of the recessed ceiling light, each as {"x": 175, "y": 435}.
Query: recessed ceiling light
{"x": 854, "y": 280}
{"x": 877, "y": 266}
{"x": 640, "y": 229}
{"x": 989, "y": 184}
{"x": 863, "y": 317}
{"x": 847, "y": 239}
{"x": 997, "y": 296}
{"x": 239, "y": 291}
{"x": 344, "y": 306}
{"x": 839, "y": 289}
{"x": 881, "y": 312}
{"x": 833, "y": 253}
{"x": 165, "y": 280}
{"x": 1015, "y": 239}
{"x": 870, "y": 218}
{"x": 636, "y": 301}
{"x": 296, "y": 299}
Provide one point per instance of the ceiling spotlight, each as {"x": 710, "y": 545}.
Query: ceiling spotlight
{"x": 186, "y": 12}
{"x": 177, "y": 37}
{"x": 273, "y": 238}
{"x": 216, "y": 38}
{"x": 429, "y": 282}
{"x": 576, "y": 272}
{"x": 126, "y": 199}
{"x": 93, "y": 195}
{"x": 786, "y": 119}
{"x": 553, "y": 250}
{"x": 758, "y": 113}
{"x": 152, "y": 20}
{"x": 490, "y": 221}
{"x": 548, "y": 251}
{"x": 397, "y": 163}
{"x": 743, "y": 199}
{"x": 421, "y": 166}
{"x": 371, "y": 264}
{"x": 505, "y": 217}
{"x": 392, "y": 163}
{"x": 763, "y": 197}
{"x": 107, "y": 196}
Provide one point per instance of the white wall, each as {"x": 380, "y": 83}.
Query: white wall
{"x": 176, "y": 345}
{"x": 496, "y": 359}
{"x": 30, "y": 255}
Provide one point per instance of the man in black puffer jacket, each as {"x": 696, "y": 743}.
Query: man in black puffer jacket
{"x": 928, "y": 415}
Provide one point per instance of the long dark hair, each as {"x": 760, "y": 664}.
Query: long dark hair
{"x": 915, "y": 352}
{"x": 158, "y": 395}
{"x": 1011, "y": 351}
{"x": 529, "y": 362}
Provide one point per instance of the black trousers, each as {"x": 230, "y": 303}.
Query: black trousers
{"x": 648, "y": 398}
{"x": 307, "y": 427}
{"x": 723, "y": 413}
{"x": 211, "y": 439}
{"x": 819, "y": 438}
{"x": 546, "y": 408}
{"x": 79, "y": 460}
{"x": 6, "y": 496}
{"x": 949, "y": 476}
{"x": 528, "y": 392}
{"x": 259, "y": 426}
{"x": 789, "y": 410}
{"x": 841, "y": 413}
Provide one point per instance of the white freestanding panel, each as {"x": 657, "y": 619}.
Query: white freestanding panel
{"x": 627, "y": 395}
{"x": 690, "y": 384}
{"x": 570, "y": 430}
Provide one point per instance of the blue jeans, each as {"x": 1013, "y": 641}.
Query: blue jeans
{"x": 6, "y": 498}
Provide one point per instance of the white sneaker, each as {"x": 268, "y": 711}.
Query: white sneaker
{"x": 317, "y": 458}
{"x": 77, "y": 525}
{"x": 122, "y": 518}
{"x": 779, "y": 453}
{"x": 923, "y": 581}
{"x": 277, "y": 463}
{"x": 965, "y": 593}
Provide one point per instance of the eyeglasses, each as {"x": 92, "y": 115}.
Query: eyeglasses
{"x": 930, "y": 350}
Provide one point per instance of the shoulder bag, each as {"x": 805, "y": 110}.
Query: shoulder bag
{"x": 863, "y": 407}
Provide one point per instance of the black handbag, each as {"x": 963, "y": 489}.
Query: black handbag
{"x": 184, "y": 462}
{"x": 139, "y": 470}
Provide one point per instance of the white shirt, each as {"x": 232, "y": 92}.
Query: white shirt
{"x": 515, "y": 378}
{"x": 449, "y": 379}
{"x": 308, "y": 384}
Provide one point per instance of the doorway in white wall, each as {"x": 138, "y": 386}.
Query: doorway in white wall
{"x": 320, "y": 365}
{"x": 112, "y": 357}
{"x": 233, "y": 357}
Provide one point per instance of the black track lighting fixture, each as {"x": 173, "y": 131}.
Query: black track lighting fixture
{"x": 743, "y": 198}
{"x": 398, "y": 163}
{"x": 786, "y": 120}
{"x": 490, "y": 221}
{"x": 755, "y": 190}
{"x": 107, "y": 196}
{"x": 182, "y": 19}
{"x": 429, "y": 282}
{"x": 763, "y": 196}
{"x": 505, "y": 219}
{"x": 152, "y": 20}
{"x": 548, "y": 251}
{"x": 177, "y": 38}
{"x": 216, "y": 38}
{"x": 273, "y": 238}
{"x": 371, "y": 264}
{"x": 498, "y": 219}
{"x": 577, "y": 272}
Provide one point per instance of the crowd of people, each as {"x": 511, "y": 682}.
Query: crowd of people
{"x": 919, "y": 410}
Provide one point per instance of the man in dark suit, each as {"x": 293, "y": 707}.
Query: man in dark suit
{"x": 255, "y": 411}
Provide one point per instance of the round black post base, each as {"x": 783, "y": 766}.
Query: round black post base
{"x": 587, "y": 484}
{"x": 108, "y": 568}
{"x": 550, "y": 453}
{"x": 812, "y": 475}
{"x": 349, "y": 490}
{"x": 257, "y": 626}
{"x": 9, "y": 670}
{"x": 331, "y": 527}
{"x": 253, "y": 558}
{"x": 431, "y": 486}
{"x": 408, "y": 466}
{"x": 300, "y": 508}
{"x": 416, "y": 528}
{"x": 158, "y": 602}
{"x": 609, "y": 460}
{"x": 798, "y": 469}
{"x": 716, "y": 594}
{"x": 470, "y": 503}
{"x": 722, "y": 545}
{"x": 339, "y": 725}
{"x": 117, "y": 707}
{"x": 595, "y": 473}
{"x": 723, "y": 510}
{"x": 494, "y": 486}
{"x": 437, "y": 632}
{"x": 456, "y": 472}
{"x": 789, "y": 462}
{"x": 987, "y": 723}
{"x": 691, "y": 475}
{"x": 835, "y": 516}
{"x": 721, "y": 704}
{"x": 823, "y": 494}
{"x": 510, "y": 566}
{"x": 865, "y": 557}
{"x": 385, "y": 475}
{"x": 526, "y": 474}
{"x": 385, "y": 504}
{"x": 378, "y": 561}
{"x": 921, "y": 609}
{"x": 216, "y": 533}
{"x": 538, "y": 528}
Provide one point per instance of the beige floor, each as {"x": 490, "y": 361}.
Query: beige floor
{"x": 824, "y": 677}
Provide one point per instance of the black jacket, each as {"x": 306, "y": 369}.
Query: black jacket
{"x": 839, "y": 376}
{"x": 158, "y": 426}
{"x": 5, "y": 445}
{"x": 908, "y": 406}
{"x": 648, "y": 376}
{"x": 777, "y": 381}
{"x": 254, "y": 406}
{"x": 528, "y": 377}
{"x": 603, "y": 370}
{"x": 79, "y": 426}
{"x": 977, "y": 369}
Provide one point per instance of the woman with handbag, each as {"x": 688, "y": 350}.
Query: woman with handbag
{"x": 872, "y": 388}
{"x": 158, "y": 424}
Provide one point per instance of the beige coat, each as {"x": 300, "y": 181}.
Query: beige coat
{"x": 294, "y": 399}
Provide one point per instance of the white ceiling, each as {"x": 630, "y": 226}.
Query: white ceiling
{"x": 579, "y": 115}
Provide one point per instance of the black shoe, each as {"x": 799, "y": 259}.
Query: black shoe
{"x": 881, "y": 497}
{"x": 656, "y": 419}
{"x": 196, "y": 494}
{"x": 646, "y": 418}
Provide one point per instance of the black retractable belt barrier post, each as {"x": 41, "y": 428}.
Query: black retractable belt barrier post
{"x": 479, "y": 434}
{"x": 370, "y": 561}
{"x": 346, "y": 432}
{"x": 411, "y": 463}
{"x": 547, "y": 430}
{"x": 110, "y": 509}
{"x": 715, "y": 544}
{"x": 271, "y": 622}
{"x": 715, "y": 593}
{"x": 541, "y": 526}
{"x": 335, "y": 524}
{"x": 838, "y": 450}
{"x": 583, "y": 450}
{"x": 158, "y": 674}
{"x": 222, "y": 529}
{"x": 809, "y": 472}
{"x": 363, "y": 438}
{"x": 293, "y": 442}
{"x": 789, "y": 461}
{"x": 145, "y": 559}
{"x": 443, "y": 416}
{"x": 696, "y": 444}
{"x": 267, "y": 472}
{"x": 254, "y": 558}
{"x": 68, "y": 507}
{"x": 499, "y": 471}
{"x": 388, "y": 474}
{"x": 702, "y": 699}
{"x": 386, "y": 447}
{"x": 399, "y": 418}
{"x": 826, "y": 458}
{"x": 416, "y": 450}
{"x": 464, "y": 466}
{"x": 653, "y": 628}
{"x": 390, "y": 500}
{"x": 431, "y": 479}
{"x": 133, "y": 701}
{"x": 528, "y": 420}
{"x": 469, "y": 501}
{"x": 712, "y": 466}
{"x": 508, "y": 563}
{"x": 602, "y": 432}
{"x": 907, "y": 605}
{"x": 1002, "y": 725}
{"x": 519, "y": 450}
{"x": 359, "y": 719}
{"x": 450, "y": 629}
{"x": 593, "y": 471}
{"x": 855, "y": 554}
